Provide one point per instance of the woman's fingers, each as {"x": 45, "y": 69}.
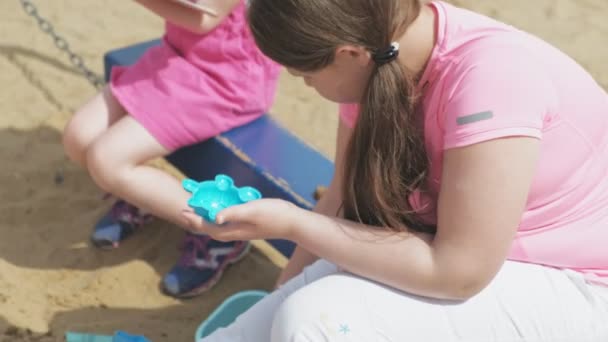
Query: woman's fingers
{"x": 227, "y": 232}
{"x": 243, "y": 213}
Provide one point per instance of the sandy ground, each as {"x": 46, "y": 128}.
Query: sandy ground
{"x": 51, "y": 280}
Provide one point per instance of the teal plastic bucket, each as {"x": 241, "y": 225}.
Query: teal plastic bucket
{"x": 228, "y": 311}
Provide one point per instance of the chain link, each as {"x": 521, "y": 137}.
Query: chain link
{"x": 62, "y": 44}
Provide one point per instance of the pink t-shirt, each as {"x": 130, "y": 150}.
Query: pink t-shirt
{"x": 487, "y": 80}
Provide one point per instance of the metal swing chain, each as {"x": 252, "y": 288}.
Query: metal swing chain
{"x": 76, "y": 60}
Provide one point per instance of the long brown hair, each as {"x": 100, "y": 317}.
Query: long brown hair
{"x": 385, "y": 160}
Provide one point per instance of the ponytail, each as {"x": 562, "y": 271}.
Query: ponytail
{"x": 385, "y": 159}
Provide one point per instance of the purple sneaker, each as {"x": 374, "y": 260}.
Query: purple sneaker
{"x": 201, "y": 265}
{"x": 118, "y": 224}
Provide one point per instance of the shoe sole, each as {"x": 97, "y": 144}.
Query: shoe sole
{"x": 214, "y": 280}
{"x": 105, "y": 245}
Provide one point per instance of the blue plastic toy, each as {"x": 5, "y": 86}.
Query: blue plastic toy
{"x": 228, "y": 311}
{"x": 221, "y": 317}
{"x": 124, "y": 337}
{"x": 211, "y": 197}
{"x": 120, "y": 336}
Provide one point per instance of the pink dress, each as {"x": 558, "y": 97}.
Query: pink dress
{"x": 193, "y": 87}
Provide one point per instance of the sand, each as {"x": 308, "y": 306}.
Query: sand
{"x": 51, "y": 280}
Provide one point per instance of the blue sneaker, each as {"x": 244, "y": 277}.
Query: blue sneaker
{"x": 118, "y": 224}
{"x": 201, "y": 265}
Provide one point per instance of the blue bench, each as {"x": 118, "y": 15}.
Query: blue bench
{"x": 261, "y": 154}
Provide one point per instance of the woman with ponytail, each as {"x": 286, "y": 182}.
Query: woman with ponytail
{"x": 470, "y": 196}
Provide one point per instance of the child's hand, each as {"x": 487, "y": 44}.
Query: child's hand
{"x": 260, "y": 219}
{"x": 198, "y": 5}
{"x": 199, "y": 17}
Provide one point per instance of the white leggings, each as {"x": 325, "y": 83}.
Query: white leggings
{"x": 524, "y": 302}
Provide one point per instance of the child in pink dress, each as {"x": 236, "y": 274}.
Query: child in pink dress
{"x": 205, "y": 78}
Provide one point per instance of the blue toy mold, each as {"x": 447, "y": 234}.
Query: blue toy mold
{"x": 211, "y": 197}
{"x": 120, "y": 336}
{"x": 228, "y": 312}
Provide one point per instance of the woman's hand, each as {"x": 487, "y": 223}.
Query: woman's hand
{"x": 260, "y": 219}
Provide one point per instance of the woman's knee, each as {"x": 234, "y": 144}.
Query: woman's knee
{"x": 292, "y": 322}
{"x": 325, "y": 310}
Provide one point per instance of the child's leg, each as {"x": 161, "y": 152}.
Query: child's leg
{"x": 89, "y": 123}
{"x": 116, "y": 162}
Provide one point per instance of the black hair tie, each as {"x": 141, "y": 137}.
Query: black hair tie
{"x": 387, "y": 55}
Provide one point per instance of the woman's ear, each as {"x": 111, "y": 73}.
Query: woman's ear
{"x": 353, "y": 54}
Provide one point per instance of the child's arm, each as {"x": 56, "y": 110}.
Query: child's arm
{"x": 191, "y": 19}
